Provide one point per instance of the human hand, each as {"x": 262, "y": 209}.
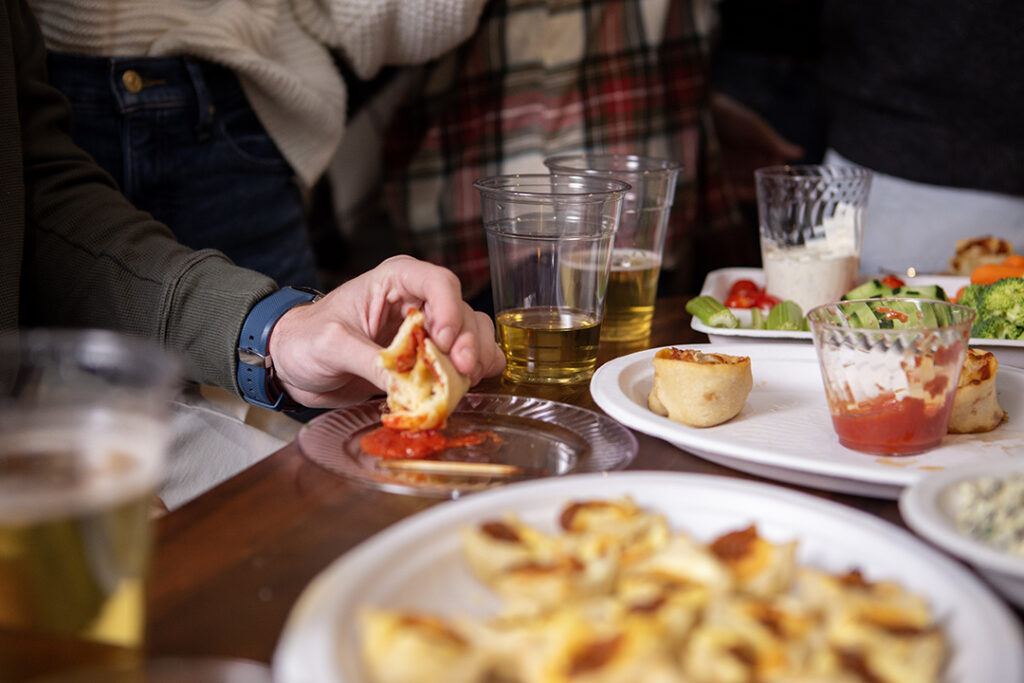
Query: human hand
{"x": 748, "y": 143}
{"x": 325, "y": 354}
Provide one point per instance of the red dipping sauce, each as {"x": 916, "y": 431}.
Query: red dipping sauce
{"x": 385, "y": 442}
{"x": 887, "y": 426}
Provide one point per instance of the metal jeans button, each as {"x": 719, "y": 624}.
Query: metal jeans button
{"x": 132, "y": 81}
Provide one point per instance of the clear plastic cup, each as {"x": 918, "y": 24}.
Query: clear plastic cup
{"x": 83, "y": 432}
{"x": 811, "y": 220}
{"x": 890, "y": 384}
{"x": 640, "y": 239}
{"x": 549, "y": 241}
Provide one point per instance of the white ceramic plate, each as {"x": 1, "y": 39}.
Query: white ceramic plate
{"x": 928, "y": 508}
{"x": 784, "y": 431}
{"x": 718, "y": 282}
{"x": 417, "y": 564}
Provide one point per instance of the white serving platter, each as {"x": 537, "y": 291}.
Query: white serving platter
{"x": 718, "y": 282}
{"x": 417, "y": 564}
{"x": 784, "y": 431}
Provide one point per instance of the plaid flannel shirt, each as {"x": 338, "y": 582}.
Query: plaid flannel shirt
{"x": 541, "y": 77}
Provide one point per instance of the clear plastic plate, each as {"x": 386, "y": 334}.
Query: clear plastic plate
{"x": 540, "y": 438}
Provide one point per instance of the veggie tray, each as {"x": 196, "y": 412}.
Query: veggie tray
{"x": 718, "y": 283}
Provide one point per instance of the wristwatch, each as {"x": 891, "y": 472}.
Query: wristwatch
{"x": 255, "y": 366}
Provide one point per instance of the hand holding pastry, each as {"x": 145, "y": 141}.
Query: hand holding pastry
{"x": 325, "y": 354}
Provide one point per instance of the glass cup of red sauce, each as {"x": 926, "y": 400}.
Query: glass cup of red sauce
{"x": 890, "y": 369}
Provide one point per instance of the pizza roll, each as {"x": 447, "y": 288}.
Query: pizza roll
{"x": 404, "y": 647}
{"x": 975, "y": 406}
{"x": 423, "y": 385}
{"x": 757, "y": 566}
{"x": 699, "y": 389}
{"x": 633, "y": 532}
{"x": 496, "y": 546}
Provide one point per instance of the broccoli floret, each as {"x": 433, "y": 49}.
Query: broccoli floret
{"x": 972, "y": 296}
{"x": 995, "y": 327}
{"x": 1004, "y": 299}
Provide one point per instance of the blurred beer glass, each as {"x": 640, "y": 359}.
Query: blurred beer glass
{"x": 83, "y": 432}
{"x": 549, "y": 243}
{"x": 640, "y": 239}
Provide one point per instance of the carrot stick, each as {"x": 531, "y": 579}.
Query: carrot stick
{"x": 990, "y": 272}
{"x": 1015, "y": 260}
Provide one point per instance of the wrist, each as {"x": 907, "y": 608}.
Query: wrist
{"x": 256, "y": 372}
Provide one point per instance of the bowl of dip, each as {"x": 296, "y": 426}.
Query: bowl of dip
{"x": 975, "y": 512}
{"x": 890, "y": 369}
{"x": 811, "y": 222}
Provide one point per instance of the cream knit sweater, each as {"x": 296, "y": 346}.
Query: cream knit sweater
{"x": 278, "y": 49}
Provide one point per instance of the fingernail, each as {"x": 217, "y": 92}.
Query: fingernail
{"x": 444, "y": 337}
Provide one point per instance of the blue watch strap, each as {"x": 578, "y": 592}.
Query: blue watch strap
{"x": 255, "y": 367}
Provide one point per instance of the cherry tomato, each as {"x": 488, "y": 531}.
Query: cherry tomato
{"x": 765, "y": 300}
{"x": 741, "y": 300}
{"x": 744, "y": 287}
{"x": 892, "y": 282}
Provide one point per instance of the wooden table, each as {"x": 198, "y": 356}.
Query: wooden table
{"x": 230, "y": 564}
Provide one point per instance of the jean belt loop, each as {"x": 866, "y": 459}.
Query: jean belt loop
{"x": 203, "y": 100}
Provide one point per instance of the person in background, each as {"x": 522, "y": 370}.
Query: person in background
{"x": 215, "y": 117}
{"x": 75, "y": 253}
{"x": 929, "y": 96}
{"x": 538, "y": 79}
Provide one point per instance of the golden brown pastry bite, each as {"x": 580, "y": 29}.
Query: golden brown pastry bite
{"x": 975, "y": 405}
{"x": 699, "y": 389}
{"x": 758, "y": 567}
{"x": 405, "y": 647}
{"x": 423, "y": 385}
{"x": 977, "y": 251}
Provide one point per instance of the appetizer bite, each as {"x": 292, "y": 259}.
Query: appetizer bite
{"x": 699, "y": 389}
{"x": 975, "y": 405}
{"x": 619, "y": 597}
{"x": 423, "y": 385}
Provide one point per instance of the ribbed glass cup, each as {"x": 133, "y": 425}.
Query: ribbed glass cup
{"x": 811, "y": 220}
{"x": 890, "y": 388}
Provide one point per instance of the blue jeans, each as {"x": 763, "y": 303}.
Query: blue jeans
{"x": 182, "y": 142}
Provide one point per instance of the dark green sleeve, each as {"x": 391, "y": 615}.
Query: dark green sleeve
{"x": 93, "y": 260}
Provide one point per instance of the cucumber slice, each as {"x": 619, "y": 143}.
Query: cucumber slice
{"x": 757, "y": 321}
{"x": 872, "y": 289}
{"x": 860, "y": 315}
{"x": 922, "y": 292}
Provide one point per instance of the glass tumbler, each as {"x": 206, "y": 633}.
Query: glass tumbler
{"x": 640, "y": 239}
{"x": 83, "y": 432}
{"x": 811, "y": 220}
{"x": 890, "y": 369}
{"x": 549, "y": 242}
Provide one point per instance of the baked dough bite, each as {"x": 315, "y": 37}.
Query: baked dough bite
{"x": 423, "y": 385}
{"x": 976, "y": 251}
{"x": 682, "y": 562}
{"x": 536, "y": 588}
{"x": 618, "y": 524}
{"x": 579, "y": 649}
{"x": 748, "y": 639}
{"x": 699, "y": 389}
{"x": 495, "y": 546}
{"x": 758, "y": 566}
{"x": 975, "y": 405}
{"x": 876, "y": 627}
{"x": 404, "y": 647}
